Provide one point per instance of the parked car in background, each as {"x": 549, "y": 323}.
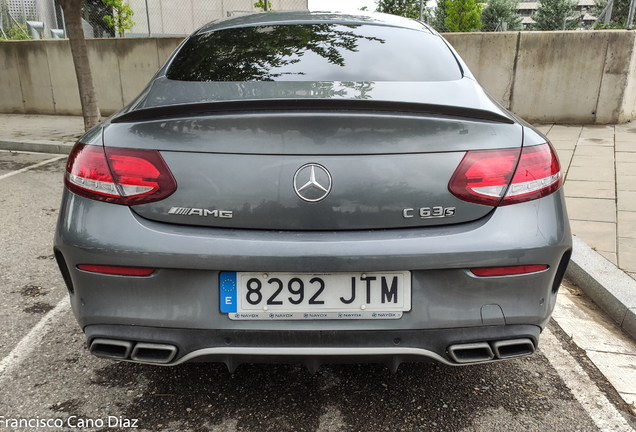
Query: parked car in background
{"x": 316, "y": 188}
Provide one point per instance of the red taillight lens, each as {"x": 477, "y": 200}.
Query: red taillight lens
{"x": 120, "y": 176}
{"x": 538, "y": 174}
{"x": 483, "y": 177}
{"x": 113, "y": 270}
{"x": 507, "y": 271}
{"x": 88, "y": 175}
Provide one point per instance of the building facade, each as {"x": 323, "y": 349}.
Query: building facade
{"x": 182, "y": 17}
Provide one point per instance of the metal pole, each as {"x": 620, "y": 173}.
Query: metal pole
{"x": 603, "y": 12}
{"x": 421, "y": 9}
{"x": 148, "y": 18}
{"x": 54, "y": 13}
{"x": 64, "y": 24}
{"x": 24, "y": 12}
{"x": 265, "y": 5}
{"x": 18, "y": 24}
{"x": 2, "y": 22}
{"x": 630, "y": 17}
{"x": 608, "y": 13}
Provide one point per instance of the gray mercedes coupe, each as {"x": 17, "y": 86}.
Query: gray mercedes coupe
{"x": 314, "y": 188}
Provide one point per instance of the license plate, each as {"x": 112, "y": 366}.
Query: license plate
{"x": 315, "y": 296}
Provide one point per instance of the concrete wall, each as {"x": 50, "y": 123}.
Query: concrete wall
{"x": 563, "y": 77}
{"x": 38, "y": 77}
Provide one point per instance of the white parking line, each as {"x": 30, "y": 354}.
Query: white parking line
{"x": 603, "y": 413}
{"x": 28, "y": 343}
{"x": 39, "y": 164}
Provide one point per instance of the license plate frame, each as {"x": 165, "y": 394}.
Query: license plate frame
{"x": 344, "y": 295}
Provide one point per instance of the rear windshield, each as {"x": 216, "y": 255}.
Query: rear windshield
{"x": 315, "y": 52}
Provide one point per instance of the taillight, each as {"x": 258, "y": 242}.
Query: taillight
{"x": 119, "y": 176}
{"x": 509, "y": 176}
{"x": 538, "y": 174}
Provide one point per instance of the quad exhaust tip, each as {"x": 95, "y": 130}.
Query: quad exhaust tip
{"x": 506, "y": 349}
{"x": 465, "y": 353}
{"x": 484, "y": 351}
{"x": 153, "y": 353}
{"x": 112, "y": 349}
{"x": 471, "y": 352}
{"x": 140, "y": 352}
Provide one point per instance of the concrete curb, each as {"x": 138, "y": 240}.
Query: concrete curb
{"x": 41, "y": 146}
{"x": 610, "y": 288}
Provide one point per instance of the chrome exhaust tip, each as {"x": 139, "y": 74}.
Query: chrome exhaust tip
{"x": 512, "y": 348}
{"x": 153, "y": 353}
{"x": 471, "y": 352}
{"x": 111, "y": 348}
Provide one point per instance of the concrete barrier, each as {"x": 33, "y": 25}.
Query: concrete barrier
{"x": 578, "y": 77}
{"x": 38, "y": 77}
{"x": 544, "y": 77}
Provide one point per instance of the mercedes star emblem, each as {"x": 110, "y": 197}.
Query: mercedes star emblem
{"x": 312, "y": 182}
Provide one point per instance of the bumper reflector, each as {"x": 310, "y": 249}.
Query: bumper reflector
{"x": 119, "y": 271}
{"x": 507, "y": 271}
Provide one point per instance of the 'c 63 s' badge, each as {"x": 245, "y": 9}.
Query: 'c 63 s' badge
{"x": 189, "y": 211}
{"x": 429, "y": 212}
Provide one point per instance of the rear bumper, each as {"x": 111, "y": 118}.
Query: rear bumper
{"x": 184, "y": 291}
{"x": 312, "y": 348}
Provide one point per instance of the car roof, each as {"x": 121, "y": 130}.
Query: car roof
{"x": 311, "y": 17}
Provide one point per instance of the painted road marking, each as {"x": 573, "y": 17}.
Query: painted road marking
{"x": 603, "y": 413}
{"x": 39, "y": 164}
{"x": 28, "y": 343}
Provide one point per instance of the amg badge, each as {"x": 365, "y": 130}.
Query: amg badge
{"x": 188, "y": 211}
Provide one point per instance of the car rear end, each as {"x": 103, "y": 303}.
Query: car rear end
{"x": 316, "y": 210}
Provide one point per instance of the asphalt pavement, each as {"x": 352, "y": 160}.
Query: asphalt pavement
{"x": 47, "y": 374}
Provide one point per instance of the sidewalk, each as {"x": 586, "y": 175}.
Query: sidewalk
{"x": 599, "y": 164}
{"x": 40, "y": 133}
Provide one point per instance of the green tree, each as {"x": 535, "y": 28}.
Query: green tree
{"x": 463, "y": 15}
{"x": 16, "y": 33}
{"x": 556, "y": 15}
{"x": 439, "y": 17}
{"x": 405, "y": 8}
{"x": 620, "y": 11}
{"x": 260, "y": 4}
{"x": 501, "y": 11}
{"x": 121, "y": 20}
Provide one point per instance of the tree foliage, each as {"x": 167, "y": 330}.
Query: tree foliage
{"x": 463, "y": 15}
{"x": 94, "y": 12}
{"x": 405, "y": 8}
{"x": 263, "y": 51}
{"x": 16, "y": 33}
{"x": 620, "y": 11}
{"x": 121, "y": 20}
{"x": 501, "y": 11}
{"x": 556, "y": 14}
{"x": 260, "y": 4}
{"x": 439, "y": 18}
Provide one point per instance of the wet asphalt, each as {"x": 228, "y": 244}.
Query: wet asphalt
{"x": 60, "y": 380}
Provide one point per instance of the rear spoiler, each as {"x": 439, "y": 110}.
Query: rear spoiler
{"x": 245, "y": 106}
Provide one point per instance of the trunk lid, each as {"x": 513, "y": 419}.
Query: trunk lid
{"x": 269, "y": 168}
